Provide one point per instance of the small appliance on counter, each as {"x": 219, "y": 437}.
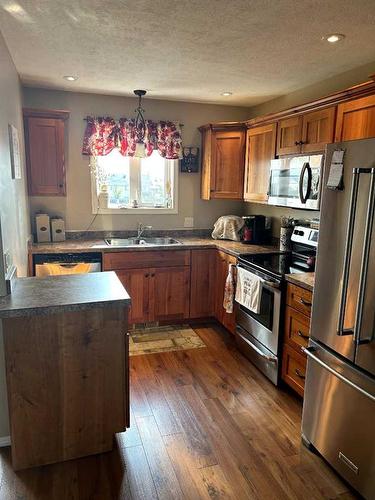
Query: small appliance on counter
{"x": 257, "y": 230}
{"x": 228, "y": 227}
{"x": 258, "y": 333}
{"x": 43, "y": 231}
{"x": 58, "y": 229}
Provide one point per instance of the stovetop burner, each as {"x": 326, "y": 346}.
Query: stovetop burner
{"x": 279, "y": 264}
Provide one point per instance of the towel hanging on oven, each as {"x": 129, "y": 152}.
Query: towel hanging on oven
{"x": 249, "y": 290}
{"x": 229, "y": 290}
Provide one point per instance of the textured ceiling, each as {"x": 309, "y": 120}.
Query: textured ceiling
{"x": 188, "y": 49}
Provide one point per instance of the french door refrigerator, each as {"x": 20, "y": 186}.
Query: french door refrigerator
{"x": 339, "y": 403}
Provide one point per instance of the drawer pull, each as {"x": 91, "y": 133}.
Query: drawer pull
{"x": 300, "y": 334}
{"x": 299, "y": 374}
{"x": 305, "y": 302}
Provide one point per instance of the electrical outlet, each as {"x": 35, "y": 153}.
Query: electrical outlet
{"x": 189, "y": 222}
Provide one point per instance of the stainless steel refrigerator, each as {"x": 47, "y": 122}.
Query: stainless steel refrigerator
{"x": 339, "y": 403}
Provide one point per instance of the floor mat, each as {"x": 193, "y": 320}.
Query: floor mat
{"x": 163, "y": 339}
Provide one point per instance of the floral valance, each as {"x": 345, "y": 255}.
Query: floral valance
{"x": 103, "y": 134}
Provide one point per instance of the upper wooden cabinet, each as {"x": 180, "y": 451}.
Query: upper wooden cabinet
{"x": 356, "y": 119}
{"x": 45, "y": 152}
{"x": 223, "y": 161}
{"x": 307, "y": 133}
{"x": 260, "y": 150}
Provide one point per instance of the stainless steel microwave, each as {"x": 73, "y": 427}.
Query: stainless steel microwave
{"x": 295, "y": 182}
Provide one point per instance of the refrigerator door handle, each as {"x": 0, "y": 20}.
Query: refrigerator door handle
{"x": 309, "y": 351}
{"x": 364, "y": 264}
{"x": 348, "y": 254}
{"x": 304, "y": 197}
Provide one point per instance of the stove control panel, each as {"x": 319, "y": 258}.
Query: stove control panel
{"x": 306, "y": 236}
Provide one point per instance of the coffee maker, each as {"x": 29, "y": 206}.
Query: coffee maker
{"x": 257, "y": 230}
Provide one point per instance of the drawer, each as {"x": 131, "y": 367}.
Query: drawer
{"x": 297, "y": 328}
{"x": 294, "y": 369}
{"x": 299, "y": 299}
{"x": 141, "y": 259}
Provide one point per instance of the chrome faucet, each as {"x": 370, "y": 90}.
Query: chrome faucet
{"x": 141, "y": 229}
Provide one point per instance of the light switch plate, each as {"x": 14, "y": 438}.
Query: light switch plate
{"x": 189, "y": 222}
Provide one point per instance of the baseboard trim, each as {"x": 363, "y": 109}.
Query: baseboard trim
{"x": 4, "y": 441}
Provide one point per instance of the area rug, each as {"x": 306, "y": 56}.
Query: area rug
{"x": 163, "y": 339}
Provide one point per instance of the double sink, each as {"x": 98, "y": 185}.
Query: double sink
{"x": 135, "y": 242}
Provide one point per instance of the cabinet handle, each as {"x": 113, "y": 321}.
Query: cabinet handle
{"x": 153, "y": 275}
{"x": 61, "y": 185}
{"x": 296, "y": 143}
{"x": 299, "y": 374}
{"x": 305, "y": 302}
{"x": 147, "y": 275}
{"x": 300, "y": 334}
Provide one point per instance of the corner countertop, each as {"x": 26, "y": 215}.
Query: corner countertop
{"x": 56, "y": 294}
{"x": 304, "y": 280}
{"x": 85, "y": 245}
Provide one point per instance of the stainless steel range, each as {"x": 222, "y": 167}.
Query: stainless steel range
{"x": 258, "y": 334}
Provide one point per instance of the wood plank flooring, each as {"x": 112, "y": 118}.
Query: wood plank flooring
{"x": 205, "y": 424}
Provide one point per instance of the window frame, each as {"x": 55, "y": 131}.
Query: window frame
{"x": 174, "y": 171}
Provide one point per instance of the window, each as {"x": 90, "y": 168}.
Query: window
{"x": 126, "y": 184}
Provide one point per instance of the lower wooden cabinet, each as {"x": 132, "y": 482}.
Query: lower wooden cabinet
{"x": 137, "y": 284}
{"x": 203, "y": 283}
{"x": 294, "y": 369}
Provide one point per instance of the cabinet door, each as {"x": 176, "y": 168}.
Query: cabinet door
{"x": 203, "y": 281}
{"x": 356, "y": 119}
{"x": 260, "y": 150}
{"x": 170, "y": 293}
{"x": 206, "y": 164}
{"x": 45, "y": 156}
{"x": 222, "y": 266}
{"x": 227, "y": 164}
{"x": 137, "y": 284}
{"x": 289, "y": 133}
{"x": 317, "y": 130}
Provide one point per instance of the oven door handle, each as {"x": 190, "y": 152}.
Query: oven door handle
{"x": 271, "y": 359}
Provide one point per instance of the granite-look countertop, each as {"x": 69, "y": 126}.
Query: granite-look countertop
{"x": 304, "y": 280}
{"x": 56, "y": 294}
{"x": 83, "y": 245}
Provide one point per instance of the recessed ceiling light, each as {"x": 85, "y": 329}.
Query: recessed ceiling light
{"x": 334, "y": 37}
{"x": 71, "y": 78}
{"x": 226, "y": 94}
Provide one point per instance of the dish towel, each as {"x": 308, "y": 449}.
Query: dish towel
{"x": 249, "y": 290}
{"x": 229, "y": 290}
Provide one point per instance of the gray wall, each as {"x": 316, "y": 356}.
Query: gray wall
{"x": 76, "y": 207}
{"x": 13, "y": 199}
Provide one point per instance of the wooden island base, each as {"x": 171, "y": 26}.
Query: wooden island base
{"x": 67, "y": 382}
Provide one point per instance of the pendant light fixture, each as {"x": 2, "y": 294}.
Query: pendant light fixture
{"x": 140, "y": 126}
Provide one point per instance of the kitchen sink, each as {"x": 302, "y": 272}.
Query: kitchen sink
{"x": 134, "y": 242}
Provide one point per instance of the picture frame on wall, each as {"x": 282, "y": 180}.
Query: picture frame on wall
{"x": 15, "y": 152}
{"x": 190, "y": 159}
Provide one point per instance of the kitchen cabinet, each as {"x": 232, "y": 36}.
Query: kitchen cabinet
{"x": 203, "y": 283}
{"x": 355, "y": 119}
{"x": 260, "y": 150}
{"x": 307, "y": 133}
{"x": 45, "y": 152}
{"x": 223, "y": 261}
{"x": 223, "y": 162}
{"x": 296, "y": 336}
{"x": 158, "y": 293}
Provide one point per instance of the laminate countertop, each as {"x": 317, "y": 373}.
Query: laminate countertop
{"x": 304, "y": 280}
{"x": 56, "y": 294}
{"x": 83, "y": 245}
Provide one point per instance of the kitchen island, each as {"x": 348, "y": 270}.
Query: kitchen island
{"x": 66, "y": 359}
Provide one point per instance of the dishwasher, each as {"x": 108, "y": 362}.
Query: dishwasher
{"x": 57, "y": 264}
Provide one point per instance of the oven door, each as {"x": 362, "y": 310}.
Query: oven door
{"x": 295, "y": 182}
{"x": 264, "y": 327}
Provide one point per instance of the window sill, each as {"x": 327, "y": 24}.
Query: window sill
{"x": 130, "y": 211}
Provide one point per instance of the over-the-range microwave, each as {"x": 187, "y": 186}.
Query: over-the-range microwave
{"x": 295, "y": 182}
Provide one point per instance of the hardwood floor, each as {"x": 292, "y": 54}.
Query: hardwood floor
{"x": 204, "y": 424}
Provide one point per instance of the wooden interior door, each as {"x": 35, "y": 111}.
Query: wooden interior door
{"x": 222, "y": 266}
{"x": 289, "y": 133}
{"x": 45, "y": 156}
{"x": 355, "y": 119}
{"x": 317, "y": 130}
{"x": 227, "y": 164}
{"x": 170, "y": 293}
{"x": 203, "y": 281}
{"x": 260, "y": 150}
{"x": 137, "y": 284}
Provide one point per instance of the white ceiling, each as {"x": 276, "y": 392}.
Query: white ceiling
{"x": 186, "y": 49}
